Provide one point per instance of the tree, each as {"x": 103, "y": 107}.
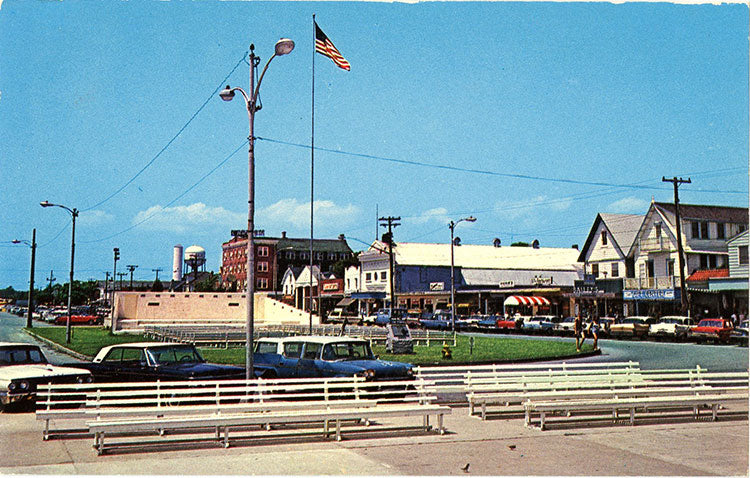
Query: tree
{"x": 520, "y": 244}
{"x": 210, "y": 283}
{"x": 157, "y": 286}
{"x": 339, "y": 268}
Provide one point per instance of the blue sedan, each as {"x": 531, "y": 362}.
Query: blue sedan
{"x": 314, "y": 356}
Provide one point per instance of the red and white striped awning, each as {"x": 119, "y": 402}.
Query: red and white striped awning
{"x": 526, "y": 300}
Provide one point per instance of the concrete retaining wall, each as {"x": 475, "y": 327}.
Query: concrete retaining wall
{"x": 134, "y": 310}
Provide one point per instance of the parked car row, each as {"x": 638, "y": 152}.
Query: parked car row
{"x": 672, "y": 327}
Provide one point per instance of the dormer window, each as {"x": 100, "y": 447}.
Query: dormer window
{"x": 604, "y": 238}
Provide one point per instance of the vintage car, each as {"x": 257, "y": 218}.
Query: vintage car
{"x": 740, "y": 334}
{"x": 539, "y": 324}
{"x": 147, "y": 361}
{"x": 24, "y": 366}
{"x": 717, "y": 330}
{"x": 77, "y": 320}
{"x": 565, "y": 327}
{"x": 508, "y": 323}
{"x": 634, "y": 326}
{"x": 440, "y": 320}
{"x": 674, "y": 327}
{"x": 316, "y": 356}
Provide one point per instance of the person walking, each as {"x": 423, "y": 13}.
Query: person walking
{"x": 578, "y": 330}
{"x": 595, "y": 330}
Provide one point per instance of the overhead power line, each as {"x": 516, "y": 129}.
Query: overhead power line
{"x": 487, "y": 172}
{"x": 169, "y": 143}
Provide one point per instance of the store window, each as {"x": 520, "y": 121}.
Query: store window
{"x": 615, "y": 269}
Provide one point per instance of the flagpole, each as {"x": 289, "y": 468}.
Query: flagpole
{"x": 312, "y": 176}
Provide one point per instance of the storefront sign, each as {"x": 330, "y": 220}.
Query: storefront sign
{"x": 539, "y": 280}
{"x": 651, "y": 294}
{"x": 507, "y": 284}
{"x": 437, "y": 285}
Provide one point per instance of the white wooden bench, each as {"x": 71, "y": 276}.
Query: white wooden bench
{"x": 56, "y": 402}
{"x": 666, "y": 392}
{"x": 677, "y": 399}
{"x": 112, "y": 408}
{"x": 222, "y": 423}
{"x": 454, "y": 379}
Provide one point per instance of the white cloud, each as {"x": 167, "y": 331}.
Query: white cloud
{"x": 95, "y": 217}
{"x": 438, "y": 214}
{"x": 183, "y": 218}
{"x": 629, "y": 205}
{"x": 290, "y": 211}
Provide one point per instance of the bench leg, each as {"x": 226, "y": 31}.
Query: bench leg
{"x": 441, "y": 427}
{"x": 99, "y": 442}
{"x": 484, "y": 410}
{"x": 714, "y": 411}
{"x": 338, "y": 430}
{"x": 226, "y": 437}
{"x": 471, "y": 407}
{"x": 326, "y": 433}
{"x": 46, "y": 429}
{"x": 541, "y": 420}
{"x": 632, "y": 415}
{"x": 696, "y": 412}
{"x": 526, "y": 418}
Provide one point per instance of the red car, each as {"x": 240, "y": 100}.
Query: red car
{"x": 508, "y": 323}
{"x": 77, "y": 320}
{"x": 717, "y": 330}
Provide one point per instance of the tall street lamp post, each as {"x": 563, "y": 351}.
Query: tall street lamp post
{"x": 32, "y": 245}
{"x": 74, "y": 213}
{"x": 283, "y": 47}
{"x": 452, "y": 225}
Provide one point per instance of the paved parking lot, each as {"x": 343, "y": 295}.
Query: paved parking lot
{"x": 680, "y": 447}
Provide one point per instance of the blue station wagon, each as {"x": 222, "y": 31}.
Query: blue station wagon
{"x": 314, "y": 356}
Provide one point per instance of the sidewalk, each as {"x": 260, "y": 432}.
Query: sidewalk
{"x": 492, "y": 447}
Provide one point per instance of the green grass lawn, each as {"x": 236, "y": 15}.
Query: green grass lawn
{"x": 88, "y": 341}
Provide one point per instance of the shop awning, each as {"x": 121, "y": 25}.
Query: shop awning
{"x": 345, "y": 302}
{"x": 526, "y": 300}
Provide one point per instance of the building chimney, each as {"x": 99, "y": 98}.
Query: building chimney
{"x": 575, "y": 246}
{"x": 342, "y": 237}
{"x": 283, "y": 234}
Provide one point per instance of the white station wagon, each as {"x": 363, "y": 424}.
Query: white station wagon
{"x": 24, "y": 366}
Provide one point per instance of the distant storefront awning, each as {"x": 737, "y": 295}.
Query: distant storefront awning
{"x": 526, "y": 300}
{"x": 345, "y": 302}
{"x": 368, "y": 295}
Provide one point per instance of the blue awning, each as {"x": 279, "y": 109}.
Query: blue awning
{"x": 368, "y": 295}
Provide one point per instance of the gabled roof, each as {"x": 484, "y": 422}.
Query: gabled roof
{"x": 707, "y": 213}
{"x": 479, "y": 256}
{"x": 623, "y": 228}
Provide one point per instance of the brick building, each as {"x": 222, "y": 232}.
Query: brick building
{"x": 273, "y": 255}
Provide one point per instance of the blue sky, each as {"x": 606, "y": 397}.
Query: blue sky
{"x": 450, "y": 109}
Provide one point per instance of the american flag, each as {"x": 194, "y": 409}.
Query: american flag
{"x": 324, "y": 46}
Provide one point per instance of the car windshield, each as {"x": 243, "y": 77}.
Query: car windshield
{"x": 171, "y": 355}
{"x": 632, "y": 321}
{"x": 347, "y": 351}
{"x": 21, "y": 356}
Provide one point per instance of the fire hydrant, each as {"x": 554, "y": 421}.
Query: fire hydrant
{"x": 447, "y": 354}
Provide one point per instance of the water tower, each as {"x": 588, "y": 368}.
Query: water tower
{"x": 195, "y": 259}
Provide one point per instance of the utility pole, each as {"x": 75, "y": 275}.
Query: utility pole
{"x": 390, "y": 222}
{"x": 131, "y": 268}
{"x": 121, "y": 275}
{"x": 157, "y": 270}
{"x": 106, "y": 286}
{"x": 116, "y": 251}
{"x": 683, "y": 292}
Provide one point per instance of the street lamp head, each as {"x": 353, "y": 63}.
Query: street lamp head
{"x": 227, "y": 94}
{"x": 15, "y": 241}
{"x": 284, "y": 46}
{"x": 470, "y": 219}
{"x": 45, "y": 204}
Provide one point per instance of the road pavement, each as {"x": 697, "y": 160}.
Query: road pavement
{"x": 676, "y": 447}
